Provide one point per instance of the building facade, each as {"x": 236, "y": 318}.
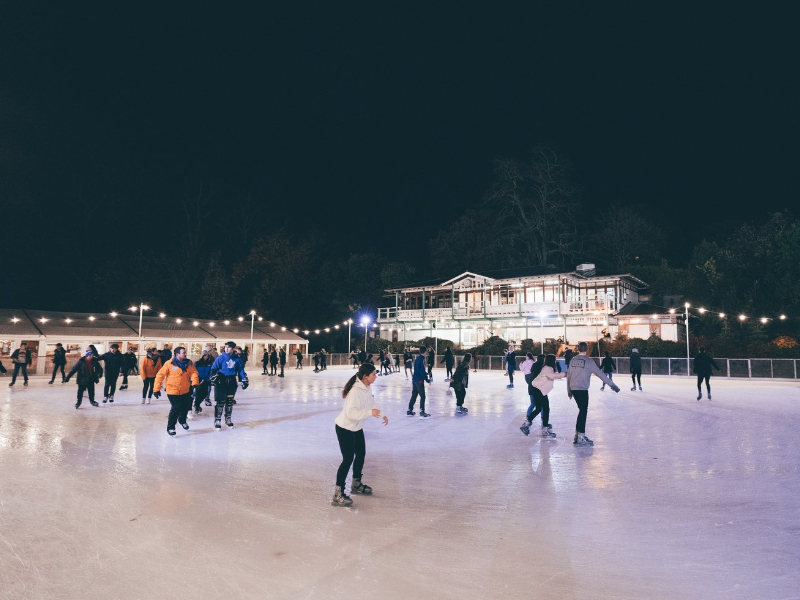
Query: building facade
{"x": 538, "y": 303}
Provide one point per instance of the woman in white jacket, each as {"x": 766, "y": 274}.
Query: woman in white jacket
{"x": 543, "y": 385}
{"x": 359, "y": 405}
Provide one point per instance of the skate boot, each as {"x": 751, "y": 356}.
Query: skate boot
{"x": 171, "y": 431}
{"x": 217, "y": 424}
{"x": 699, "y": 395}
{"x": 340, "y": 498}
{"x": 359, "y": 488}
{"x": 709, "y": 395}
{"x": 424, "y": 415}
{"x": 105, "y": 399}
{"x": 228, "y": 421}
{"x": 410, "y": 413}
{"x": 93, "y": 403}
{"x": 185, "y": 426}
{"x": 142, "y": 400}
{"x": 464, "y": 409}
{"x": 640, "y": 388}
{"x": 208, "y": 402}
{"x": 603, "y": 387}
{"x": 510, "y": 386}
{"x": 25, "y": 384}
{"x": 582, "y": 440}
{"x": 547, "y": 433}
{"x": 78, "y": 405}
{"x": 633, "y": 389}
{"x": 526, "y": 428}
{"x": 111, "y": 398}
{"x": 123, "y": 387}
{"x": 50, "y": 382}
{"x": 148, "y": 400}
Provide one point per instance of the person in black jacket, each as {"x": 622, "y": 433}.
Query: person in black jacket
{"x": 299, "y": 356}
{"x": 607, "y": 366}
{"x": 568, "y": 356}
{"x": 636, "y": 369}
{"x": 89, "y": 372}
{"x": 265, "y": 362}
{"x": 459, "y": 381}
{"x": 129, "y": 365}
{"x": 449, "y": 361}
{"x": 702, "y": 367}
{"x": 408, "y": 361}
{"x": 22, "y": 359}
{"x": 59, "y": 362}
{"x": 282, "y": 360}
{"x": 431, "y": 362}
{"x": 166, "y": 355}
{"x": 115, "y": 364}
{"x": 273, "y": 362}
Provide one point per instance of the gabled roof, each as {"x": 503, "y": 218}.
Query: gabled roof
{"x": 641, "y": 309}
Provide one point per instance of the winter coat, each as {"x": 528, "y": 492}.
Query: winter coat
{"x": 568, "y": 356}
{"x": 607, "y": 365}
{"x": 15, "y": 356}
{"x": 179, "y": 377}
{"x": 449, "y": 360}
{"x": 545, "y": 379}
{"x": 203, "y": 367}
{"x": 130, "y": 360}
{"x": 357, "y": 408}
{"x": 511, "y": 361}
{"x": 460, "y": 379}
{"x": 82, "y": 370}
{"x": 636, "y": 362}
{"x": 282, "y": 358}
{"x": 114, "y": 363}
{"x": 265, "y": 358}
{"x": 419, "y": 374}
{"x": 60, "y": 357}
{"x": 149, "y": 367}
{"x": 273, "y": 358}
{"x": 166, "y": 355}
{"x": 703, "y": 363}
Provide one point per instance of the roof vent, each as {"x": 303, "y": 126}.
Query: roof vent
{"x": 585, "y": 269}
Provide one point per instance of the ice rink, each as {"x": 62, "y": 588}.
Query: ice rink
{"x": 678, "y": 499}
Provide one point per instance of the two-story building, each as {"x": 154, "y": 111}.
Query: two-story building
{"x": 537, "y": 303}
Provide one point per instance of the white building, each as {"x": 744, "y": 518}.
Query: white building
{"x": 538, "y": 303}
{"x": 42, "y": 329}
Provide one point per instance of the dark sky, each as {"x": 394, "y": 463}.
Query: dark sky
{"x": 673, "y": 108}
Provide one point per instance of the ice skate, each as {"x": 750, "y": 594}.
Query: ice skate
{"x": 78, "y": 405}
{"x": 359, "y": 488}
{"x": 25, "y": 384}
{"x": 699, "y": 395}
{"x": 228, "y": 422}
{"x": 447, "y": 380}
{"x": 640, "y": 388}
{"x": 464, "y": 409}
{"x": 208, "y": 402}
{"x": 50, "y": 382}
{"x": 142, "y": 400}
{"x": 93, "y": 403}
{"x": 709, "y": 395}
{"x": 105, "y": 399}
{"x": 148, "y": 400}
{"x": 410, "y": 413}
{"x": 547, "y": 433}
{"x": 603, "y": 388}
{"x": 424, "y": 415}
{"x": 123, "y": 387}
{"x": 526, "y": 428}
{"x": 171, "y": 431}
{"x": 340, "y": 498}
{"x": 111, "y": 398}
{"x": 633, "y": 389}
{"x": 510, "y": 386}
{"x": 582, "y": 440}
{"x": 218, "y": 424}
{"x": 185, "y": 426}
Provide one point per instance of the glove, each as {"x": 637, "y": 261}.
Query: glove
{"x": 66, "y": 379}
{"x": 213, "y": 379}
{"x": 97, "y": 380}
{"x": 245, "y": 383}
{"x": 157, "y": 395}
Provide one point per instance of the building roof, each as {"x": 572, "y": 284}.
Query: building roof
{"x": 125, "y": 326}
{"x": 642, "y": 309}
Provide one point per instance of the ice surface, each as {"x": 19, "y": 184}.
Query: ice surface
{"x": 677, "y": 499}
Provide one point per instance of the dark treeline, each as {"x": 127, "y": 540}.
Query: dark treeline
{"x": 215, "y": 252}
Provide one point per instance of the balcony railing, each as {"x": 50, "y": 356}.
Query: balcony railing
{"x": 463, "y": 310}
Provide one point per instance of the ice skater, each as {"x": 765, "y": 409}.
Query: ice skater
{"x": 282, "y": 361}
{"x": 359, "y": 405}
{"x": 224, "y": 372}
{"x": 408, "y": 362}
{"x": 299, "y": 356}
{"x": 542, "y": 385}
{"x": 607, "y": 366}
{"x": 180, "y": 375}
{"x": 59, "y": 362}
{"x": 265, "y": 362}
{"x": 115, "y": 363}
{"x": 418, "y": 380}
{"x": 130, "y": 367}
{"x": 531, "y": 368}
{"x": 511, "y": 366}
{"x": 702, "y": 367}
{"x": 273, "y": 362}
{"x": 151, "y": 365}
{"x": 431, "y": 361}
{"x": 22, "y": 360}
{"x": 636, "y": 369}
{"x": 449, "y": 362}
{"x": 459, "y": 381}
{"x": 89, "y": 373}
{"x": 581, "y": 369}
{"x": 202, "y": 393}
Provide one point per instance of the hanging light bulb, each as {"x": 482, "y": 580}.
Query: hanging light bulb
{"x": 241, "y": 318}
{"x": 113, "y": 314}
{"x": 296, "y": 330}
{"x": 227, "y": 322}
{"x": 721, "y": 315}
{"x": 701, "y": 310}
{"x": 764, "y": 320}
{"x": 162, "y": 315}
{"x": 283, "y": 328}
{"x": 742, "y": 317}
{"x": 782, "y": 317}
{"x": 91, "y": 318}
{"x": 179, "y": 321}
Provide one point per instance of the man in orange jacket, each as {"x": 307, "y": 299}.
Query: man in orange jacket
{"x": 180, "y": 375}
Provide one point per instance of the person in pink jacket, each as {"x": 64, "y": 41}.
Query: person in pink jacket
{"x": 542, "y": 385}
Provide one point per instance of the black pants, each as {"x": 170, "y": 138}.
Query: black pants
{"x": 89, "y": 387}
{"x": 125, "y": 377}
{"x": 224, "y": 391}
{"x": 55, "y": 372}
{"x": 272, "y": 369}
{"x": 353, "y": 448}
{"x": 418, "y": 390}
{"x": 181, "y": 404}
{"x": 449, "y": 371}
{"x": 17, "y": 368}
{"x": 582, "y": 400}
{"x": 542, "y": 405}
{"x": 511, "y": 377}
{"x": 110, "y": 386}
{"x": 430, "y": 370}
{"x": 299, "y": 363}
{"x": 282, "y": 369}
{"x": 147, "y": 390}
{"x": 460, "y": 395}
{"x": 700, "y": 379}
{"x": 636, "y": 374}
{"x": 201, "y": 393}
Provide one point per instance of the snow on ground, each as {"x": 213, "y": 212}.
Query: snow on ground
{"x": 677, "y": 499}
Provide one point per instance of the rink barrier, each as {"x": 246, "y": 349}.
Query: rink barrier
{"x": 732, "y": 368}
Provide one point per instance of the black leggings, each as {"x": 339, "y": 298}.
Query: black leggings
{"x": 55, "y": 372}
{"x": 89, "y": 387}
{"x": 582, "y": 400}
{"x": 353, "y": 448}
{"x": 637, "y": 374}
{"x": 542, "y": 404}
{"x": 700, "y": 379}
{"x": 449, "y": 371}
{"x": 110, "y": 386}
{"x": 511, "y": 377}
{"x": 460, "y": 395}
{"x": 147, "y": 390}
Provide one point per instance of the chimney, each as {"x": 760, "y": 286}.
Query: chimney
{"x": 585, "y": 269}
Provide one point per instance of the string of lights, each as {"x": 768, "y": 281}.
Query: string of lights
{"x": 741, "y": 317}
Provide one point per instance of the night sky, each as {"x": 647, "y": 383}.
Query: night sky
{"x": 381, "y": 122}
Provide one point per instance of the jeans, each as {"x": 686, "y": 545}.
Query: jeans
{"x": 540, "y": 404}
{"x": 582, "y": 400}
{"x": 17, "y": 368}
{"x": 89, "y": 387}
{"x": 55, "y": 372}
{"x": 353, "y": 448}
{"x": 110, "y": 385}
{"x": 181, "y": 404}
{"x": 419, "y": 390}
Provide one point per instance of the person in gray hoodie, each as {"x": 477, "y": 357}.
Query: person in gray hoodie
{"x": 581, "y": 369}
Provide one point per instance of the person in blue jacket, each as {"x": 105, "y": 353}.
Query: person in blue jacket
{"x": 418, "y": 379}
{"x": 203, "y": 391}
{"x": 224, "y": 373}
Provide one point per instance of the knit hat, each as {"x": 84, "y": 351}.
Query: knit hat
{"x": 635, "y": 350}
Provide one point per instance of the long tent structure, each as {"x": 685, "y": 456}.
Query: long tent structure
{"x": 42, "y": 329}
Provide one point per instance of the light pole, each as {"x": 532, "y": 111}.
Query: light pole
{"x": 365, "y": 323}
{"x": 252, "y": 323}
{"x": 141, "y": 308}
{"x": 349, "y": 332}
{"x": 541, "y": 327}
{"x": 686, "y": 317}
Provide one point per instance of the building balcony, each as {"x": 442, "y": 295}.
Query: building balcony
{"x": 578, "y": 306}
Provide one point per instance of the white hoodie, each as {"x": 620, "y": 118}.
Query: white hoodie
{"x": 545, "y": 379}
{"x": 357, "y": 407}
